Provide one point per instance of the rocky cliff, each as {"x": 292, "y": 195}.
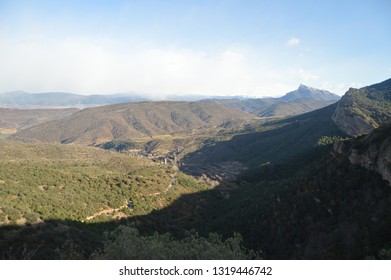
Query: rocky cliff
{"x": 372, "y": 151}
{"x": 361, "y": 110}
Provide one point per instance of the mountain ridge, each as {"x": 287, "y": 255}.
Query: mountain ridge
{"x": 302, "y": 100}
{"x": 97, "y": 125}
{"x": 22, "y": 99}
{"x": 361, "y": 110}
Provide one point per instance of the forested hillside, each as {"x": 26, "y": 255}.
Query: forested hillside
{"x": 290, "y": 188}
{"x": 98, "y": 125}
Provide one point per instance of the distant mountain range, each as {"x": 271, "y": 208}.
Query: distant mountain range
{"x": 21, "y": 99}
{"x": 98, "y": 125}
{"x": 302, "y": 100}
{"x": 17, "y": 113}
{"x": 359, "y": 111}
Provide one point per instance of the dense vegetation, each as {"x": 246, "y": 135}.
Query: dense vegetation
{"x": 296, "y": 188}
{"x": 127, "y": 243}
{"x": 327, "y": 210}
{"x": 93, "y": 126}
{"x": 60, "y": 201}
{"x": 37, "y": 179}
{"x": 13, "y": 120}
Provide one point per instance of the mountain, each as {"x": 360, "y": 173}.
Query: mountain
{"x": 21, "y": 99}
{"x": 293, "y": 107}
{"x": 301, "y": 197}
{"x": 97, "y": 125}
{"x": 13, "y": 120}
{"x": 306, "y": 92}
{"x": 248, "y": 105}
{"x": 274, "y": 144}
{"x": 361, "y": 110}
{"x": 302, "y": 100}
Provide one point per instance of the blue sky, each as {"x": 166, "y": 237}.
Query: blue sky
{"x": 226, "y": 47}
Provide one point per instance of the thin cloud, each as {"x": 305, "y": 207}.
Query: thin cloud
{"x": 304, "y": 75}
{"x": 292, "y": 42}
{"x": 84, "y": 66}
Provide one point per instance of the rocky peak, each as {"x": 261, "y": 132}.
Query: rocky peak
{"x": 306, "y": 92}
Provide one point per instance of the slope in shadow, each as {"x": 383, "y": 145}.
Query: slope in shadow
{"x": 284, "y": 140}
{"x": 330, "y": 210}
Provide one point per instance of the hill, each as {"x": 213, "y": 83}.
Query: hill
{"x": 293, "y": 107}
{"x": 332, "y": 207}
{"x": 21, "y": 99}
{"x": 299, "y": 137}
{"x": 300, "y": 101}
{"x": 13, "y": 120}
{"x": 44, "y": 181}
{"x": 274, "y": 144}
{"x": 361, "y": 110}
{"x": 98, "y": 125}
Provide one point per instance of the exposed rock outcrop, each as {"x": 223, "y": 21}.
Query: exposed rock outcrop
{"x": 361, "y": 110}
{"x": 372, "y": 151}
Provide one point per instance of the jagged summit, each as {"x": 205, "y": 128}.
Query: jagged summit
{"x": 306, "y": 92}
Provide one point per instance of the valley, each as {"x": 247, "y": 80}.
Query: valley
{"x": 277, "y": 180}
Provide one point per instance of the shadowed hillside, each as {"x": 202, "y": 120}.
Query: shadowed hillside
{"x": 303, "y": 132}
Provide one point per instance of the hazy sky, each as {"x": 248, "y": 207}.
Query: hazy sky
{"x": 238, "y": 47}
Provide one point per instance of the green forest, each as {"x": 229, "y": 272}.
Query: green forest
{"x": 299, "y": 187}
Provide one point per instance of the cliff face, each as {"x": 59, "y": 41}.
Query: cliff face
{"x": 372, "y": 151}
{"x": 361, "y": 110}
{"x": 350, "y": 118}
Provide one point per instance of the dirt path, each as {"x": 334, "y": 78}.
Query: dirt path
{"x": 106, "y": 211}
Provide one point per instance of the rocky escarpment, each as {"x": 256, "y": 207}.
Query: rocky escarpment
{"x": 372, "y": 151}
{"x": 361, "y": 110}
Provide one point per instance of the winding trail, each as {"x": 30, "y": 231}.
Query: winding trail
{"x": 106, "y": 211}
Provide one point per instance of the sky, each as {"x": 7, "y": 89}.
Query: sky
{"x": 206, "y": 47}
